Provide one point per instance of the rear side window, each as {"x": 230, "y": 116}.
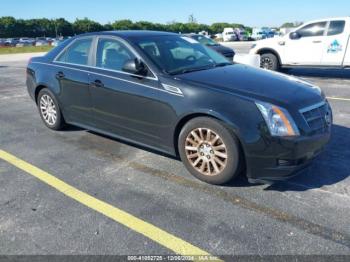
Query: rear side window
{"x": 77, "y": 53}
{"x": 315, "y": 29}
{"x": 336, "y": 28}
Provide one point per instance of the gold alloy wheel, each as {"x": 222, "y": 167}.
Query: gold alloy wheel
{"x": 206, "y": 151}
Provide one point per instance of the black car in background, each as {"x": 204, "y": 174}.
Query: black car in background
{"x": 173, "y": 95}
{"x": 204, "y": 40}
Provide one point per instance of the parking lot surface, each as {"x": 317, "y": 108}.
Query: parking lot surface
{"x": 307, "y": 215}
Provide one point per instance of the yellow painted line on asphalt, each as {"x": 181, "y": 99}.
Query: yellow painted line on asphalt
{"x": 150, "y": 231}
{"x": 338, "y": 98}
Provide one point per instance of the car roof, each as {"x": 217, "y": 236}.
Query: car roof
{"x": 130, "y": 33}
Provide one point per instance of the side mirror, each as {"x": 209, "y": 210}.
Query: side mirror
{"x": 294, "y": 36}
{"x": 135, "y": 66}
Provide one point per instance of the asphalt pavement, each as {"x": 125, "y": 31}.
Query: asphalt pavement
{"x": 308, "y": 215}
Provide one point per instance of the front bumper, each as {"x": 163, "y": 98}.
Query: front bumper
{"x": 282, "y": 158}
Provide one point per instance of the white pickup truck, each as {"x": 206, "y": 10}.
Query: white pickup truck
{"x": 320, "y": 43}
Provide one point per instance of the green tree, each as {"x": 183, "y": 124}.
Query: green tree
{"x": 218, "y": 27}
{"x": 8, "y": 26}
{"x": 20, "y": 28}
{"x": 176, "y": 27}
{"x": 123, "y": 25}
{"x": 36, "y": 27}
{"x": 144, "y": 25}
{"x": 291, "y": 24}
{"x": 86, "y": 25}
{"x": 62, "y": 27}
{"x": 108, "y": 27}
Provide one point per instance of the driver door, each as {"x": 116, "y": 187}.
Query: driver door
{"x": 126, "y": 104}
{"x": 307, "y": 49}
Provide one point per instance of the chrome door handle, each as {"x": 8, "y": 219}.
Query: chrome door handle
{"x": 60, "y": 75}
{"x": 317, "y": 41}
{"x": 97, "y": 83}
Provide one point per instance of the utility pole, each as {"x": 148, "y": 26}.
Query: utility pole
{"x": 56, "y": 28}
{"x": 192, "y": 19}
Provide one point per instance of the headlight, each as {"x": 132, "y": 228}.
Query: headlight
{"x": 278, "y": 120}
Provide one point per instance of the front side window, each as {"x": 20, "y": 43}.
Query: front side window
{"x": 174, "y": 54}
{"x": 112, "y": 54}
{"x": 336, "y": 28}
{"x": 77, "y": 53}
{"x": 315, "y": 29}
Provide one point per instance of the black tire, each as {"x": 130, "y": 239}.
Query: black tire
{"x": 269, "y": 61}
{"x": 227, "y": 172}
{"x": 59, "y": 122}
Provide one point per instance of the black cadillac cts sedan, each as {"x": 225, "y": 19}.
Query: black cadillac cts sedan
{"x": 171, "y": 94}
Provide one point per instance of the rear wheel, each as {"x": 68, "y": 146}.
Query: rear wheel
{"x": 49, "y": 110}
{"x": 269, "y": 61}
{"x": 209, "y": 150}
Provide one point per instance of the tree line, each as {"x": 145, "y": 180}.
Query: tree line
{"x": 11, "y": 27}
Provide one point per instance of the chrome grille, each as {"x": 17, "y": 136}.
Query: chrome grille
{"x": 318, "y": 117}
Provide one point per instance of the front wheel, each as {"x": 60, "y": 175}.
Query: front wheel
{"x": 269, "y": 61}
{"x": 209, "y": 151}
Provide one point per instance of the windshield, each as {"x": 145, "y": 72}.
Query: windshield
{"x": 205, "y": 40}
{"x": 176, "y": 55}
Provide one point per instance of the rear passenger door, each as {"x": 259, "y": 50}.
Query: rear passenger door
{"x": 335, "y": 43}
{"x": 72, "y": 73}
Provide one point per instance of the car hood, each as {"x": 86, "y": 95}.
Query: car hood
{"x": 258, "y": 84}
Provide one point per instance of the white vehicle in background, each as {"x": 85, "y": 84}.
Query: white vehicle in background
{"x": 218, "y": 36}
{"x": 41, "y": 41}
{"x": 257, "y": 33}
{"x": 319, "y": 43}
{"x": 242, "y": 34}
{"x": 26, "y": 41}
{"x": 229, "y": 34}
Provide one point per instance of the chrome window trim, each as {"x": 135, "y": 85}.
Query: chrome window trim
{"x": 309, "y": 108}
{"x": 94, "y": 55}
{"x": 104, "y": 69}
{"x": 113, "y": 77}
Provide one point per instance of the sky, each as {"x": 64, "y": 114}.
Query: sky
{"x": 253, "y": 13}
